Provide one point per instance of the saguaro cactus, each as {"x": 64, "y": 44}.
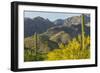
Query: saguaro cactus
{"x": 35, "y": 45}
{"x": 82, "y": 27}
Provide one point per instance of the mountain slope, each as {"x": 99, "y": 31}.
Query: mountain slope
{"x": 37, "y": 24}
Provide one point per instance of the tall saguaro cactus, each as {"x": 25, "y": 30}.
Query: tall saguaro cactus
{"x": 82, "y": 27}
{"x": 35, "y": 44}
{"x": 35, "y": 41}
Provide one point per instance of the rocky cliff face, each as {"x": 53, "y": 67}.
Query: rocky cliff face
{"x": 76, "y": 20}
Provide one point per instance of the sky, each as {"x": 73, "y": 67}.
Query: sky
{"x": 49, "y": 15}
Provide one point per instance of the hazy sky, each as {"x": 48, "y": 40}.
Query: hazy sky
{"x": 50, "y": 15}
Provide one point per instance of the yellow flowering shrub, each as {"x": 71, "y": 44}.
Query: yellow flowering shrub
{"x": 72, "y": 50}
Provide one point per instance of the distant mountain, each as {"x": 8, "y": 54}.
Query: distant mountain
{"x": 71, "y": 26}
{"x": 76, "y": 20}
{"x": 38, "y": 24}
{"x": 28, "y": 27}
{"x": 59, "y": 22}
